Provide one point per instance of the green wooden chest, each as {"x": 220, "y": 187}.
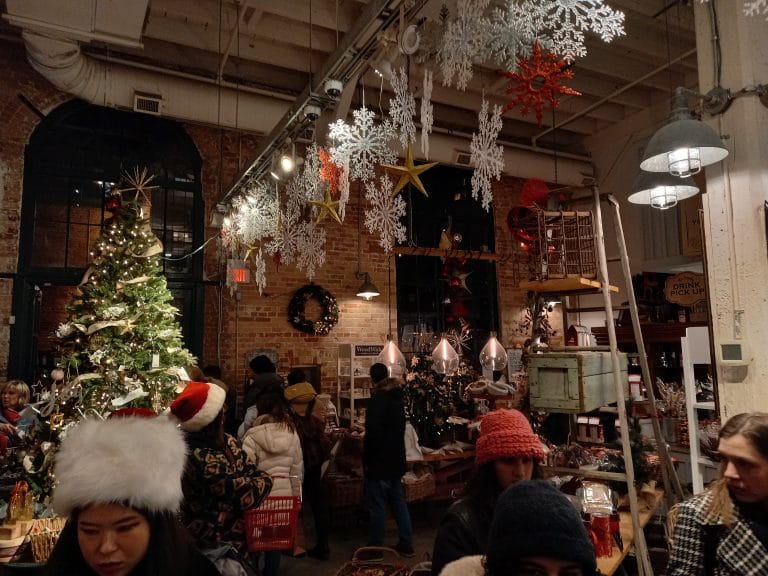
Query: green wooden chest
{"x": 573, "y": 381}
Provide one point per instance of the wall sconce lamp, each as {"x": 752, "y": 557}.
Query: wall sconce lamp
{"x": 661, "y": 189}
{"x": 684, "y": 145}
{"x": 368, "y": 289}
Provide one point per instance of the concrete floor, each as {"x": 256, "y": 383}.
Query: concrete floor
{"x": 349, "y": 532}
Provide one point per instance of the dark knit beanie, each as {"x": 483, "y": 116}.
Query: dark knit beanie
{"x": 506, "y": 434}
{"x": 378, "y": 372}
{"x": 261, "y": 364}
{"x": 533, "y": 518}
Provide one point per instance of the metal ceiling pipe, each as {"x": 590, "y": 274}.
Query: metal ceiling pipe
{"x": 114, "y": 85}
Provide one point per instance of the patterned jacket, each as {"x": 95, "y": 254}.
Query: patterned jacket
{"x": 219, "y": 484}
{"x": 705, "y": 542}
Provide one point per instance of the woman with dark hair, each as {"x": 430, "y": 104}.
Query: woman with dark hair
{"x": 273, "y": 444}
{"x": 219, "y": 481}
{"x": 535, "y": 531}
{"x": 724, "y": 530}
{"x": 119, "y": 481}
{"x": 507, "y": 452}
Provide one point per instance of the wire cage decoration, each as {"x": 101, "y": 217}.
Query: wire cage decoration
{"x": 552, "y": 244}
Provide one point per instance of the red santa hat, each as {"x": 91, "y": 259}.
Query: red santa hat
{"x": 127, "y": 460}
{"x": 198, "y": 405}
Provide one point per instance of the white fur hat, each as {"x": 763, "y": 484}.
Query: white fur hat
{"x": 198, "y": 405}
{"x": 131, "y": 460}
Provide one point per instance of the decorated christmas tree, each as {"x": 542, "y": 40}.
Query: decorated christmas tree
{"x": 122, "y": 345}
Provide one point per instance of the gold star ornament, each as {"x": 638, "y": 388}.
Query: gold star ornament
{"x": 409, "y": 173}
{"x": 327, "y": 206}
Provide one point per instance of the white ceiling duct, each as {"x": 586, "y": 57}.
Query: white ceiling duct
{"x": 115, "y": 85}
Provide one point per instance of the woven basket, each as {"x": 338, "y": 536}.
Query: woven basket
{"x": 43, "y": 537}
{"x": 422, "y": 488}
{"x": 344, "y": 491}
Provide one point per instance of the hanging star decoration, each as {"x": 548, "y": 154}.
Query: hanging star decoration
{"x": 330, "y": 171}
{"x": 409, "y": 173}
{"x": 328, "y": 207}
{"x": 537, "y": 81}
{"x": 139, "y": 183}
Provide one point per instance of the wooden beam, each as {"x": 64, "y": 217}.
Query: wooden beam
{"x": 574, "y": 284}
{"x": 444, "y": 253}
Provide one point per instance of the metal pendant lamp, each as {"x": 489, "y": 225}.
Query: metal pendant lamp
{"x": 684, "y": 145}
{"x": 661, "y": 190}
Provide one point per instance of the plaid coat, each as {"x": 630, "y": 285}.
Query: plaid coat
{"x": 703, "y": 543}
{"x": 219, "y": 484}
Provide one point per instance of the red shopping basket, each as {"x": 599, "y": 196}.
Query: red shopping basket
{"x": 272, "y": 526}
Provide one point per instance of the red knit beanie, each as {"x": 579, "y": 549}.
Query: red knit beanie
{"x": 504, "y": 434}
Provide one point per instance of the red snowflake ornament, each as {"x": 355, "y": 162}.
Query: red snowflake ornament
{"x": 536, "y": 81}
{"x": 330, "y": 172}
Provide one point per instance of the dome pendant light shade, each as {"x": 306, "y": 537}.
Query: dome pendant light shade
{"x": 392, "y": 358}
{"x": 445, "y": 360}
{"x": 368, "y": 289}
{"x": 493, "y": 356}
{"x": 684, "y": 145}
{"x": 661, "y": 190}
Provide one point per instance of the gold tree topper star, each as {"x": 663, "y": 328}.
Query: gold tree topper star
{"x": 327, "y": 206}
{"x": 139, "y": 182}
{"x": 409, "y": 173}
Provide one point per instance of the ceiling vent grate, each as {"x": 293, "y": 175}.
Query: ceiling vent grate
{"x": 463, "y": 158}
{"x": 147, "y": 103}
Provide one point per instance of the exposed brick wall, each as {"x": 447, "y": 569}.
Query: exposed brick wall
{"x": 247, "y": 319}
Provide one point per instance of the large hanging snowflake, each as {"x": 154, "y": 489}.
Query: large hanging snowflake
{"x": 310, "y": 248}
{"x": 538, "y": 81}
{"x": 755, "y": 7}
{"x": 752, "y": 7}
{"x": 465, "y": 39}
{"x": 383, "y": 216}
{"x": 486, "y": 156}
{"x": 362, "y": 144}
{"x": 259, "y": 271}
{"x": 427, "y": 112}
{"x": 514, "y": 29}
{"x": 402, "y": 108}
{"x": 343, "y": 190}
{"x": 311, "y": 182}
{"x": 255, "y": 214}
{"x": 284, "y": 243}
{"x": 568, "y": 20}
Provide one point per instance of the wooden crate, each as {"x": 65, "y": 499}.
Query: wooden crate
{"x": 566, "y": 244}
{"x": 573, "y": 381}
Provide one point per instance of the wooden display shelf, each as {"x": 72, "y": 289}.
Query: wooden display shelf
{"x": 564, "y": 285}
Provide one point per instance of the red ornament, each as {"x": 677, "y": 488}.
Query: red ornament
{"x": 537, "y": 81}
{"x": 330, "y": 172}
{"x": 113, "y": 203}
{"x": 534, "y": 192}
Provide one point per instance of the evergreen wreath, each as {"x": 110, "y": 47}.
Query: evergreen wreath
{"x": 328, "y": 317}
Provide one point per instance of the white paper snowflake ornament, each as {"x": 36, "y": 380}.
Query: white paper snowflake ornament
{"x": 513, "y": 30}
{"x": 255, "y": 214}
{"x": 310, "y": 248}
{"x": 487, "y": 157}
{"x": 567, "y": 21}
{"x": 259, "y": 271}
{"x": 284, "y": 243}
{"x": 464, "y": 41}
{"x": 383, "y": 215}
{"x": 362, "y": 144}
{"x": 402, "y": 108}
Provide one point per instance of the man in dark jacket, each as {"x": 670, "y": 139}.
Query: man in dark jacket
{"x": 384, "y": 459}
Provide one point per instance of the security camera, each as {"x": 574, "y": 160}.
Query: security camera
{"x": 312, "y": 112}
{"x": 333, "y": 88}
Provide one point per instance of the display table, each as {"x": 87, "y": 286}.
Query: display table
{"x": 608, "y": 566}
{"x": 450, "y": 471}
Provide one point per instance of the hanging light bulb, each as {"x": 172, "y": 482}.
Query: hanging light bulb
{"x": 445, "y": 360}
{"x": 493, "y": 356}
{"x": 392, "y": 358}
